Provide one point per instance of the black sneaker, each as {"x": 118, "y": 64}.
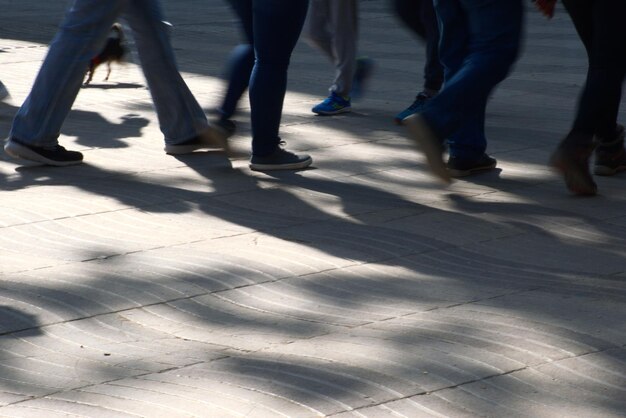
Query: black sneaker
{"x": 466, "y": 167}
{"x": 281, "y": 159}
{"x": 429, "y": 144}
{"x": 54, "y": 155}
{"x": 573, "y": 163}
{"x": 211, "y": 138}
{"x": 610, "y": 154}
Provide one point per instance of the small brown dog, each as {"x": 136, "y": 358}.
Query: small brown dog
{"x": 114, "y": 51}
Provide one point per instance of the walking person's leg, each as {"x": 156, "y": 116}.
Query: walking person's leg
{"x": 37, "y": 125}
{"x": 318, "y": 28}
{"x": 420, "y": 17}
{"x": 433, "y": 70}
{"x": 494, "y": 33}
{"x": 333, "y": 28}
{"x": 598, "y": 24}
{"x": 181, "y": 119}
{"x": 277, "y": 26}
{"x": 240, "y": 63}
{"x": 344, "y": 19}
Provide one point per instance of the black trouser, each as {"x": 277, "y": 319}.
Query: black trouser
{"x": 420, "y": 17}
{"x": 600, "y": 25}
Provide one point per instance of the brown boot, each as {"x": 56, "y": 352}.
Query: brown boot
{"x": 572, "y": 161}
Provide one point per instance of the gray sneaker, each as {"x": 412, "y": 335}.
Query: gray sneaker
{"x": 213, "y": 137}
{"x": 281, "y": 159}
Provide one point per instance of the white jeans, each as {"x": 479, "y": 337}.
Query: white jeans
{"x": 81, "y": 36}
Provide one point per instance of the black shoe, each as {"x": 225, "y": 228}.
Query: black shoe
{"x": 211, "y": 138}
{"x": 429, "y": 144}
{"x": 610, "y": 154}
{"x": 54, "y": 155}
{"x": 281, "y": 159}
{"x": 573, "y": 163}
{"x": 458, "y": 167}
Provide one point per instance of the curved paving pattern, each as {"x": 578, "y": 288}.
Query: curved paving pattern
{"x": 140, "y": 284}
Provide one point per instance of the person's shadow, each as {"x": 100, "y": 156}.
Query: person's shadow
{"x": 90, "y": 128}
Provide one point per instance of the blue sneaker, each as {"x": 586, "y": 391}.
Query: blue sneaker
{"x": 416, "y": 107}
{"x": 333, "y": 105}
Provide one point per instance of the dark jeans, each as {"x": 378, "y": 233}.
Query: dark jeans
{"x": 600, "y": 25}
{"x": 480, "y": 41}
{"x": 271, "y": 28}
{"x": 420, "y": 17}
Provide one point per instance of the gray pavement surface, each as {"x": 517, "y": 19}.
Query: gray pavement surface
{"x": 140, "y": 284}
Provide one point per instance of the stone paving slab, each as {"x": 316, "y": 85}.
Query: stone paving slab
{"x": 141, "y": 284}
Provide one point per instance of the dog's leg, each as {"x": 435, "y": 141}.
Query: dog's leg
{"x": 108, "y": 71}
{"x": 89, "y": 74}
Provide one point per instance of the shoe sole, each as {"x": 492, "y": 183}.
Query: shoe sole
{"x": 602, "y": 170}
{"x": 428, "y": 143}
{"x": 466, "y": 173}
{"x": 399, "y": 121}
{"x": 336, "y": 112}
{"x": 212, "y": 138}
{"x": 575, "y": 180}
{"x": 16, "y": 150}
{"x": 272, "y": 167}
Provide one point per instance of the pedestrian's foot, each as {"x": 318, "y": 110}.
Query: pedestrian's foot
{"x": 573, "y": 163}
{"x": 610, "y": 164}
{"x": 333, "y": 105}
{"x": 432, "y": 147}
{"x": 610, "y": 154}
{"x": 281, "y": 159}
{"x": 213, "y": 137}
{"x": 54, "y": 155}
{"x": 466, "y": 167}
{"x": 416, "y": 107}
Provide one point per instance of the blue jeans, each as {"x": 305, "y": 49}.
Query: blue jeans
{"x": 240, "y": 62}
{"x": 479, "y": 43}
{"x": 272, "y": 28}
{"x": 83, "y": 32}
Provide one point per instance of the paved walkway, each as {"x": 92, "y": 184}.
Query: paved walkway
{"x": 140, "y": 284}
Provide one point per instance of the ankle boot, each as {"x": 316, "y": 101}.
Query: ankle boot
{"x": 572, "y": 161}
